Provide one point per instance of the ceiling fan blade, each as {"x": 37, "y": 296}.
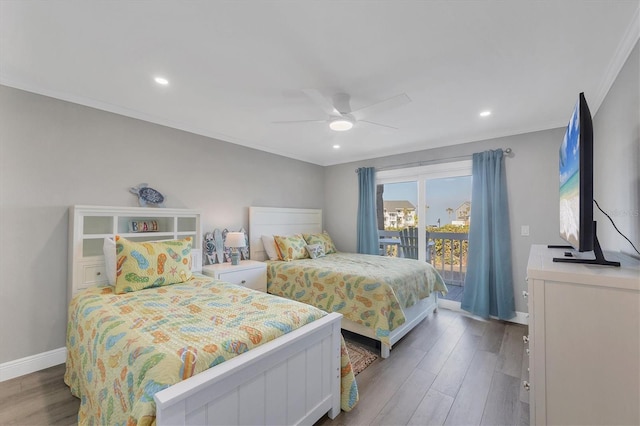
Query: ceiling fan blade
{"x": 381, "y": 106}
{"x": 322, "y": 102}
{"x": 377, "y": 124}
{"x": 298, "y": 121}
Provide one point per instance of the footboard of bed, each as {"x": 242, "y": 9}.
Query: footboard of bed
{"x": 291, "y": 380}
{"x": 413, "y": 316}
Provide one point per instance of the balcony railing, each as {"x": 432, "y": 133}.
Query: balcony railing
{"x": 449, "y": 255}
{"x": 446, "y": 251}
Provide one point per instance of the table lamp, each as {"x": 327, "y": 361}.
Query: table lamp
{"x": 235, "y": 240}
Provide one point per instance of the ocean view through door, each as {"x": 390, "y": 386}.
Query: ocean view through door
{"x": 434, "y": 202}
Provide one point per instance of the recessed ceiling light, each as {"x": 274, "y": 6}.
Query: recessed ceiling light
{"x": 341, "y": 124}
{"x": 336, "y": 147}
{"x": 485, "y": 113}
{"x": 161, "y": 80}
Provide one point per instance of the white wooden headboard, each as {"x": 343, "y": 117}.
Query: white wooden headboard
{"x": 279, "y": 221}
{"x": 89, "y": 225}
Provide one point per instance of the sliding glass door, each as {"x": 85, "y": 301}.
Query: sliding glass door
{"x": 436, "y": 199}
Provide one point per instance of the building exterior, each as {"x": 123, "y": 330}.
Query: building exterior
{"x": 399, "y": 214}
{"x": 463, "y": 213}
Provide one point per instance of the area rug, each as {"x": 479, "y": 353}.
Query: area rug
{"x": 360, "y": 357}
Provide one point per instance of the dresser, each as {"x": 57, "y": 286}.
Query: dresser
{"x": 584, "y": 340}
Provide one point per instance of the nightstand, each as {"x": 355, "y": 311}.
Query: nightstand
{"x": 248, "y": 273}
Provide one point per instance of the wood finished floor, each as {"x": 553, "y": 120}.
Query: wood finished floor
{"x": 451, "y": 370}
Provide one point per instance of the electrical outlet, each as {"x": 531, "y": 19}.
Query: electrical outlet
{"x": 524, "y": 230}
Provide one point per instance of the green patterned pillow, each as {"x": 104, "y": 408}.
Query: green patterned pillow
{"x": 144, "y": 265}
{"x": 323, "y": 238}
{"x": 291, "y": 247}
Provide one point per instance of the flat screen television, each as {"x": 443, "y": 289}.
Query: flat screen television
{"x": 577, "y": 226}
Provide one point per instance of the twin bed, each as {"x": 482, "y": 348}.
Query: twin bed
{"x": 201, "y": 351}
{"x": 155, "y": 355}
{"x": 379, "y": 297}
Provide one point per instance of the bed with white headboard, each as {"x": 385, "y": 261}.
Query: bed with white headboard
{"x": 292, "y": 379}
{"x": 287, "y": 221}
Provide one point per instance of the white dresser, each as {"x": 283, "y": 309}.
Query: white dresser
{"x": 584, "y": 340}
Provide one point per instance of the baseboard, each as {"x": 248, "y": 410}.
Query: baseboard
{"x": 520, "y": 318}
{"x": 31, "y": 364}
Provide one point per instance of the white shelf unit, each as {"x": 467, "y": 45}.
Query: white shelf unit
{"x": 90, "y": 225}
{"x": 584, "y": 340}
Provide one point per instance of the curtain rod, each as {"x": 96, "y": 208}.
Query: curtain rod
{"x": 427, "y": 162}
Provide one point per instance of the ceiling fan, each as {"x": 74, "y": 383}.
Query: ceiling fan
{"x": 341, "y": 117}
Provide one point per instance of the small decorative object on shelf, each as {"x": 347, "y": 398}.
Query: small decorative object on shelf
{"x": 143, "y": 226}
{"x": 235, "y": 240}
{"x": 147, "y": 195}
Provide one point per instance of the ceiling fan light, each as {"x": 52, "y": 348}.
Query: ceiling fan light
{"x": 340, "y": 125}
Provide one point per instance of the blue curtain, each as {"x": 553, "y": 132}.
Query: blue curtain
{"x": 368, "y": 242}
{"x": 488, "y": 286}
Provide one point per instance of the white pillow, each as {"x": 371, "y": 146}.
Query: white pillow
{"x": 270, "y": 247}
{"x": 110, "y": 259}
{"x": 315, "y": 250}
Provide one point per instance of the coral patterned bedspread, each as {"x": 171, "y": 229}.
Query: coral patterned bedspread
{"x": 122, "y": 349}
{"x": 370, "y": 290}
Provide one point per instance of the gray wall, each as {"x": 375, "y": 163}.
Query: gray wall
{"x": 54, "y": 154}
{"x": 616, "y": 175}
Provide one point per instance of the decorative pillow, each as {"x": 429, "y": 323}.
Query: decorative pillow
{"x": 315, "y": 250}
{"x": 110, "y": 258}
{"x": 323, "y": 238}
{"x": 270, "y": 248}
{"x": 291, "y": 247}
{"x": 151, "y": 264}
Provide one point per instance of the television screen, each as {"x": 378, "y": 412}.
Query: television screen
{"x": 570, "y": 181}
{"x": 576, "y": 180}
{"x": 576, "y": 188}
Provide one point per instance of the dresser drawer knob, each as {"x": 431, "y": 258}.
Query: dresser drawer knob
{"x": 526, "y": 385}
{"x": 243, "y": 282}
{"x": 98, "y": 273}
{"x": 525, "y": 294}
{"x": 528, "y": 351}
{"x": 525, "y": 339}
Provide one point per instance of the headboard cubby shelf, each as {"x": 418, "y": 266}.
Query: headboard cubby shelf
{"x": 90, "y": 225}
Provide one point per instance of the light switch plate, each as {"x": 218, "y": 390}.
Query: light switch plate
{"x": 524, "y": 230}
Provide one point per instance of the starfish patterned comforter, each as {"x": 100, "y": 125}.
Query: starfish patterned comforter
{"x": 122, "y": 349}
{"x": 367, "y": 289}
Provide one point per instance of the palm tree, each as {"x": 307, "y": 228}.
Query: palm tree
{"x": 449, "y": 211}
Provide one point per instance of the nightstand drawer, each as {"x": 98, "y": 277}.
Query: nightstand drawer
{"x": 93, "y": 274}
{"x": 248, "y": 273}
{"x": 251, "y": 278}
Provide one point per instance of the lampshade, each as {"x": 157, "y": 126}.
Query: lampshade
{"x": 235, "y": 239}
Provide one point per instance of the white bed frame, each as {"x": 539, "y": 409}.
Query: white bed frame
{"x": 294, "y": 379}
{"x": 286, "y": 221}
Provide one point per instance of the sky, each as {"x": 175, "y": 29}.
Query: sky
{"x": 440, "y": 195}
